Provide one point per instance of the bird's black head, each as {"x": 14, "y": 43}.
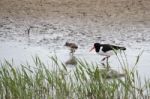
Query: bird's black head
{"x": 97, "y": 46}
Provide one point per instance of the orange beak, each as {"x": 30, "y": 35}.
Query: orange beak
{"x": 91, "y": 49}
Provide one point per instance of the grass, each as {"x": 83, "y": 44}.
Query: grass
{"x": 84, "y": 81}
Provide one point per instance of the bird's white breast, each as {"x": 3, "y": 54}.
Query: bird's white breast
{"x": 108, "y": 53}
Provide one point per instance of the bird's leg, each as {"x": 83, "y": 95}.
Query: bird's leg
{"x": 103, "y": 58}
{"x": 107, "y": 62}
{"x": 106, "y": 65}
{"x": 107, "y": 58}
{"x": 71, "y": 54}
{"x": 72, "y": 50}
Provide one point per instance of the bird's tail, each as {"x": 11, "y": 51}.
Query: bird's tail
{"x": 122, "y": 48}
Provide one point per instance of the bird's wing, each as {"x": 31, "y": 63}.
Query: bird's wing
{"x": 107, "y": 48}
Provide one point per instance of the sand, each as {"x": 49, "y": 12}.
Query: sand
{"x": 50, "y": 23}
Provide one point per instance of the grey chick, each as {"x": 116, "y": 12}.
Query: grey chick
{"x": 73, "y": 47}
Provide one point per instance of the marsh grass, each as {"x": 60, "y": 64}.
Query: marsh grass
{"x": 83, "y": 81}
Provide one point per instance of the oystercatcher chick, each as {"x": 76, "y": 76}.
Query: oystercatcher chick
{"x": 106, "y": 49}
{"x": 73, "y": 47}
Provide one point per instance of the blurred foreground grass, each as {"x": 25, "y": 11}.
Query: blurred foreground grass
{"x": 83, "y": 81}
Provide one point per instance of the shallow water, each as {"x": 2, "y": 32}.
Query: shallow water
{"x": 23, "y": 53}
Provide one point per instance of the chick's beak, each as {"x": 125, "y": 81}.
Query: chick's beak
{"x": 91, "y": 49}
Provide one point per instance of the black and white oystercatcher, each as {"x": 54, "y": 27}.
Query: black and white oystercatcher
{"x": 106, "y": 49}
{"x": 72, "y": 47}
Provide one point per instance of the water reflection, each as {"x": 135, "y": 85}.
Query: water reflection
{"x": 71, "y": 61}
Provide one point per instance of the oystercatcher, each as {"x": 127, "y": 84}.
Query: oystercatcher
{"x": 106, "y": 49}
{"x": 72, "y": 47}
